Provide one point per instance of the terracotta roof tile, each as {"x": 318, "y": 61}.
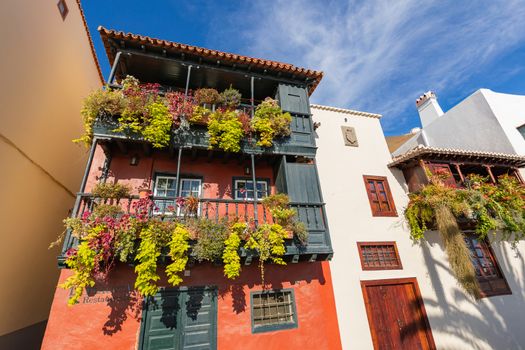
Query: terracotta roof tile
{"x": 107, "y": 34}
{"x": 510, "y": 159}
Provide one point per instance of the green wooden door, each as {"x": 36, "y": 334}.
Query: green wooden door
{"x": 180, "y": 319}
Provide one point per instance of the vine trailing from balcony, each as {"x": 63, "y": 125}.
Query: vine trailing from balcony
{"x": 486, "y": 206}
{"x": 142, "y": 110}
{"x": 269, "y": 121}
{"x": 107, "y": 235}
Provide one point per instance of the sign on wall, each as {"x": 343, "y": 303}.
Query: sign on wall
{"x": 349, "y": 136}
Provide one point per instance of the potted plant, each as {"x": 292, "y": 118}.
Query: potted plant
{"x": 207, "y": 97}
{"x": 230, "y": 98}
{"x": 144, "y": 192}
{"x": 269, "y": 121}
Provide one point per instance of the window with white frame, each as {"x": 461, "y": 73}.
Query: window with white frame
{"x": 244, "y": 189}
{"x": 165, "y": 186}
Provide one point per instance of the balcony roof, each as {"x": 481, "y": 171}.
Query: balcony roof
{"x": 457, "y": 155}
{"x": 277, "y": 67}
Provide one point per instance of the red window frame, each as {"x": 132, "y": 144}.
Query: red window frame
{"x": 387, "y": 256}
{"x": 379, "y": 196}
{"x": 488, "y": 273}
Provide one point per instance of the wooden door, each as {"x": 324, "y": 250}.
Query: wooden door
{"x": 180, "y": 319}
{"x": 396, "y": 314}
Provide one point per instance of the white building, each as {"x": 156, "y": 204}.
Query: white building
{"x": 496, "y": 118}
{"x": 384, "y": 301}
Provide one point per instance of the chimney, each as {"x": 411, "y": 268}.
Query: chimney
{"x": 428, "y": 108}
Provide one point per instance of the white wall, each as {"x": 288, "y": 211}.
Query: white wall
{"x": 456, "y": 321}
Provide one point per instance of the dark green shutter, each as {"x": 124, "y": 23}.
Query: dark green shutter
{"x": 293, "y": 99}
{"x": 180, "y": 319}
{"x": 303, "y": 190}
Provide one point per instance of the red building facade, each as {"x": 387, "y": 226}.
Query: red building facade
{"x": 295, "y": 307}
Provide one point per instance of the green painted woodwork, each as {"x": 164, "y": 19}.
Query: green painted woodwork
{"x": 293, "y": 99}
{"x": 180, "y": 319}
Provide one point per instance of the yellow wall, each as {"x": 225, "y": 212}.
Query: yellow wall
{"x": 46, "y": 69}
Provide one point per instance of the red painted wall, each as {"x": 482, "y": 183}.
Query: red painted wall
{"x": 217, "y": 175}
{"x": 111, "y": 320}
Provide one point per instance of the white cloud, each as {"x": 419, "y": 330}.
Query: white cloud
{"x": 380, "y": 55}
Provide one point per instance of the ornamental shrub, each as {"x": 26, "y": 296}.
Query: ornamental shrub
{"x": 225, "y": 130}
{"x": 230, "y": 98}
{"x": 207, "y": 96}
{"x": 269, "y": 122}
{"x": 210, "y": 242}
{"x": 108, "y": 190}
{"x": 158, "y": 126}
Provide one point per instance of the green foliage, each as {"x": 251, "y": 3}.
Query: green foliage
{"x": 226, "y": 131}
{"x": 153, "y": 238}
{"x": 230, "y": 256}
{"x": 157, "y": 129}
{"x": 111, "y": 190}
{"x": 230, "y": 98}
{"x": 99, "y": 103}
{"x": 279, "y": 206}
{"x": 83, "y": 264}
{"x": 207, "y": 96}
{"x": 268, "y": 241}
{"x": 126, "y": 238}
{"x": 269, "y": 121}
{"x": 200, "y": 115}
{"x": 106, "y": 210}
{"x": 178, "y": 245}
{"x": 489, "y": 207}
{"x": 210, "y": 242}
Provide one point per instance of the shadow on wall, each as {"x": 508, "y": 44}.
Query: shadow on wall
{"x": 498, "y": 320}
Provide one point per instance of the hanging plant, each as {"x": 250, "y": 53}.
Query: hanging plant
{"x": 489, "y": 207}
{"x": 269, "y": 122}
{"x": 230, "y": 256}
{"x": 200, "y": 115}
{"x": 107, "y": 190}
{"x": 207, "y": 96}
{"x": 225, "y": 130}
{"x": 178, "y": 246}
{"x": 180, "y": 105}
{"x": 230, "y": 98}
{"x": 158, "y": 124}
{"x": 101, "y": 103}
{"x": 210, "y": 239}
{"x": 279, "y": 206}
{"x": 268, "y": 241}
{"x": 153, "y": 238}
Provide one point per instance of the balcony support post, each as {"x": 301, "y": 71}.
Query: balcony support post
{"x": 187, "y": 81}
{"x": 252, "y": 101}
{"x": 489, "y": 170}
{"x": 255, "y": 216}
{"x": 105, "y": 168}
{"x": 460, "y": 173}
{"x": 178, "y": 173}
{"x": 114, "y": 68}
{"x": 89, "y": 162}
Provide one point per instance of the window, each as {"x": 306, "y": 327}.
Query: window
{"x": 379, "y": 196}
{"x": 491, "y": 280}
{"x": 165, "y": 186}
{"x": 62, "y": 8}
{"x": 244, "y": 189}
{"x": 273, "y": 310}
{"x": 379, "y": 256}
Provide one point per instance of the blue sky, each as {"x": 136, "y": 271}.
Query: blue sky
{"x": 377, "y": 55}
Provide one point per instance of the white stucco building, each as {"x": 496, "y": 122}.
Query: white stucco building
{"x": 412, "y": 300}
{"x": 484, "y": 121}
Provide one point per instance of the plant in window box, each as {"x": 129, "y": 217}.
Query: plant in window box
{"x": 225, "y": 130}
{"x": 230, "y": 98}
{"x": 210, "y": 239}
{"x": 107, "y": 190}
{"x": 207, "y": 97}
{"x": 99, "y": 104}
{"x": 200, "y": 115}
{"x": 279, "y": 206}
{"x": 269, "y": 122}
{"x": 180, "y": 106}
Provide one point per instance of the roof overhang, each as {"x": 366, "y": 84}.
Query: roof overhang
{"x": 114, "y": 40}
{"x": 457, "y": 155}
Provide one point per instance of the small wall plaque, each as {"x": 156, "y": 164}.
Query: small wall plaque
{"x": 349, "y": 136}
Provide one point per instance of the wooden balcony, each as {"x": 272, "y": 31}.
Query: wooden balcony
{"x": 215, "y": 209}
